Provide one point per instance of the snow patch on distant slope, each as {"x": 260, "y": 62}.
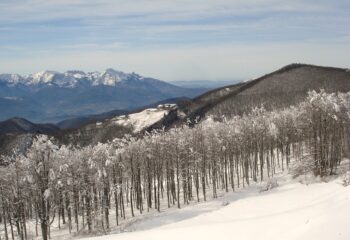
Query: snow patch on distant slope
{"x": 145, "y": 118}
{"x": 249, "y": 80}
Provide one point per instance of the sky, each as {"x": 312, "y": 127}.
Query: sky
{"x": 173, "y": 39}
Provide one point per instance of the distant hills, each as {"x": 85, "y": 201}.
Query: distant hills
{"x": 281, "y": 88}
{"x": 22, "y": 126}
{"x": 51, "y": 96}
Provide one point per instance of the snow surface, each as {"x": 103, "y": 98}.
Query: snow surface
{"x": 250, "y": 79}
{"x": 291, "y": 211}
{"x": 143, "y": 119}
{"x": 11, "y": 79}
{"x": 280, "y": 208}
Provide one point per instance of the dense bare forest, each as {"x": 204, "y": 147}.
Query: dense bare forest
{"x": 80, "y": 186}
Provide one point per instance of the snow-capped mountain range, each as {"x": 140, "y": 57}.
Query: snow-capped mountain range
{"x": 73, "y": 78}
{"x": 51, "y": 96}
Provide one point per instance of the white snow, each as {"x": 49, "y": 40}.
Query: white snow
{"x": 40, "y": 77}
{"x": 143, "y": 119}
{"x": 290, "y": 211}
{"x": 12, "y": 79}
{"x": 111, "y": 77}
{"x": 280, "y": 208}
{"x": 78, "y": 75}
{"x": 248, "y": 80}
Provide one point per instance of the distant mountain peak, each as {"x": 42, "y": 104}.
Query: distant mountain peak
{"x": 41, "y": 77}
{"x": 11, "y": 79}
{"x": 112, "y": 71}
{"x": 111, "y": 77}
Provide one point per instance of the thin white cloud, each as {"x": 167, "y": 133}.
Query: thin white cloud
{"x": 172, "y": 39}
{"x": 42, "y": 10}
{"x": 91, "y": 46}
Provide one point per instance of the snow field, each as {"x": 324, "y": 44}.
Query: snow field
{"x": 291, "y": 211}
{"x": 142, "y": 119}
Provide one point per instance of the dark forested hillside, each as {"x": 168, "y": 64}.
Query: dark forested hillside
{"x": 282, "y": 88}
{"x": 21, "y": 126}
{"x": 285, "y": 87}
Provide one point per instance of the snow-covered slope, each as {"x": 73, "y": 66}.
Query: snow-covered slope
{"x": 291, "y": 211}
{"x": 141, "y": 120}
{"x": 11, "y": 79}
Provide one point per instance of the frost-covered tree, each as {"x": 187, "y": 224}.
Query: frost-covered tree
{"x": 81, "y": 186}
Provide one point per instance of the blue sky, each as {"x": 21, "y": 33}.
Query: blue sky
{"x": 173, "y": 40}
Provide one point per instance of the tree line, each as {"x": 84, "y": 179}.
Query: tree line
{"x": 80, "y": 187}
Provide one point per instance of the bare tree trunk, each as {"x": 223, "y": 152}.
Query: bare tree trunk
{"x": 4, "y": 217}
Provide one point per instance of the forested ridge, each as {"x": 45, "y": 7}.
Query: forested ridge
{"x": 80, "y": 187}
{"x": 282, "y": 88}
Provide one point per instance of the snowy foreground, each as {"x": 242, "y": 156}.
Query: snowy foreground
{"x": 293, "y": 210}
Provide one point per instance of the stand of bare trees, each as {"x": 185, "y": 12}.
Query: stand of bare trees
{"x": 80, "y": 187}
